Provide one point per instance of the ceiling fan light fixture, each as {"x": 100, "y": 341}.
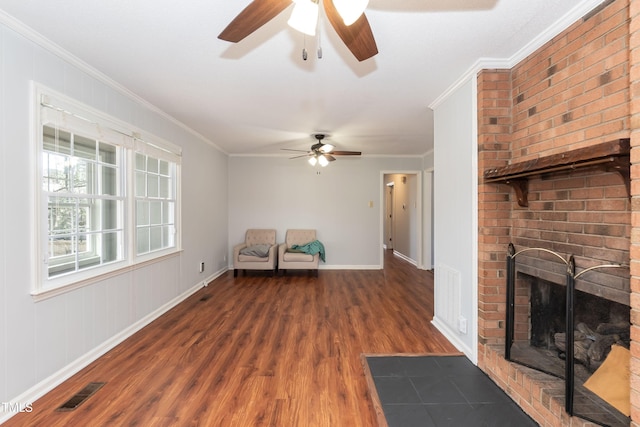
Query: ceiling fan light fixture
{"x": 350, "y": 10}
{"x": 304, "y": 17}
{"x": 323, "y": 161}
{"x": 327, "y": 148}
{"x": 313, "y": 161}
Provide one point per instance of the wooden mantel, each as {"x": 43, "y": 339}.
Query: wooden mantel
{"x": 609, "y": 156}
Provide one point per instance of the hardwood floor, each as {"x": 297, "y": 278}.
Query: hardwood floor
{"x": 258, "y": 351}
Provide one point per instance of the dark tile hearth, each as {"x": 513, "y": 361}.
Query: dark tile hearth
{"x": 440, "y": 391}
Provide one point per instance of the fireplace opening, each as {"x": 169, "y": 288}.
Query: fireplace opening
{"x": 539, "y": 332}
{"x": 599, "y": 323}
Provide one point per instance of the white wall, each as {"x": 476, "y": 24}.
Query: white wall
{"x": 455, "y": 217}
{"x": 42, "y": 342}
{"x": 282, "y": 193}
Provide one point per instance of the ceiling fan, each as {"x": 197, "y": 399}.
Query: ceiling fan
{"x": 322, "y": 153}
{"x": 357, "y": 36}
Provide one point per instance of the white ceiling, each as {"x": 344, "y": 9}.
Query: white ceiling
{"x": 258, "y": 96}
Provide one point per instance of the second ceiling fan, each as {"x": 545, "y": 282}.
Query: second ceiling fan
{"x": 321, "y": 152}
{"x": 357, "y": 36}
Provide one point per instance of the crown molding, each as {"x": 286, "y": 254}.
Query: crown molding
{"x": 578, "y": 12}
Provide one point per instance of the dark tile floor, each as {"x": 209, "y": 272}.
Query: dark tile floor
{"x": 441, "y": 391}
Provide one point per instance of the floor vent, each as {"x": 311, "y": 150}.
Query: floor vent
{"x": 80, "y": 397}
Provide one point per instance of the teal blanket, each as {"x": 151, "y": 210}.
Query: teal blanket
{"x": 315, "y": 247}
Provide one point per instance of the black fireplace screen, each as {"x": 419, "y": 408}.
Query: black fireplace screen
{"x": 568, "y": 333}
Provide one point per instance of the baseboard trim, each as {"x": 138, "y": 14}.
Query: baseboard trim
{"x": 349, "y": 267}
{"x": 453, "y": 338}
{"x": 214, "y": 276}
{"x": 43, "y": 387}
{"x": 404, "y": 257}
{"x": 341, "y": 267}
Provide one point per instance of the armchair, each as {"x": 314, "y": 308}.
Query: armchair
{"x": 292, "y": 260}
{"x": 257, "y": 252}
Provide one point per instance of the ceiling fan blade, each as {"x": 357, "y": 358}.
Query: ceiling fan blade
{"x": 291, "y": 149}
{"x": 254, "y": 16}
{"x": 346, "y": 153}
{"x": 358, "y": 36}
{"x": 329, "y": 157}
{"x": 302, "y": 155}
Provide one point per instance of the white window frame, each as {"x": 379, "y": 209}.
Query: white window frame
{"x": 161, "y": 154}
{"x": 51, "y": 107}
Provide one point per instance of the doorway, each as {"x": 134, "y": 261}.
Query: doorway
{"x": 401, "y": 216}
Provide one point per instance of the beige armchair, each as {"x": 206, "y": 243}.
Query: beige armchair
{"x": 258, "y": 252}
{"x": 289, "y": 259}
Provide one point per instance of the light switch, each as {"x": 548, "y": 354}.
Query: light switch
{"x": 370, "y": 203}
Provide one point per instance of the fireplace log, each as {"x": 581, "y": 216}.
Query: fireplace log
{"x": 590, "y": 347}
{"x": 586, "y": 330}
{"x": 560, "y": 340}
{"x": 620, "y": 328}
{"x": 581, "y": 351}
{"x": 601, "y": 347}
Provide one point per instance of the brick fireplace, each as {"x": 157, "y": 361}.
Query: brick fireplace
{"x": 577, "y": 91}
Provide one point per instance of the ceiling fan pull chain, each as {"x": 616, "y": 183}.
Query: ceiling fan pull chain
{"x": 319, "y": 43}
{"x": 304, "y": 47}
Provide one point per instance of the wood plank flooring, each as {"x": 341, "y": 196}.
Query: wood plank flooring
{"x": 258, "y": 351}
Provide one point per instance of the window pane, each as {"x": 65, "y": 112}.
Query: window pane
{"x": 83, "y": 245}
{"x": 142, "y": 212}
{"x": 168, "y": 212}
{"x": 167, "y": 236}
{"x": 84, "y": 214}
{"x": 56, "y": 141}
{"x": 165, "y": 190}
{"x": 110, "y": 246}
{"x": 109, "y": 181}
{"x": 55, "y": 172}
{"x": 110, "y": 209}
{"x": 152, "y": 186}
{"x": 61, "y": 255}
{"x": 155, "y": 238}
{"x": 141, "y": 184}
{"x": 84, "y": 147}
{"x": 152, "y": 165}
{"x": 155, "y": 213}
{"x": 107, "y": 153}
{"x": 60, "y": 246}
{"x": 142, "y": 240}
{"x": 62, "y": 215}
{"x": 82, "y": 174}
{"x": 141, "y": 162}
{"x": 164, "y": 168}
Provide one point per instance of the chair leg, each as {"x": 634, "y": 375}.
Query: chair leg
{"x": 235, "y": 272}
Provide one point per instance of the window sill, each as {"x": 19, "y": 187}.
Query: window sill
{"x": 43, "y": 294}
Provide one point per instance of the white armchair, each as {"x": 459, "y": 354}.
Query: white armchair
{"x": 257, "y": 252}
{"x": 289, "y": 259}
